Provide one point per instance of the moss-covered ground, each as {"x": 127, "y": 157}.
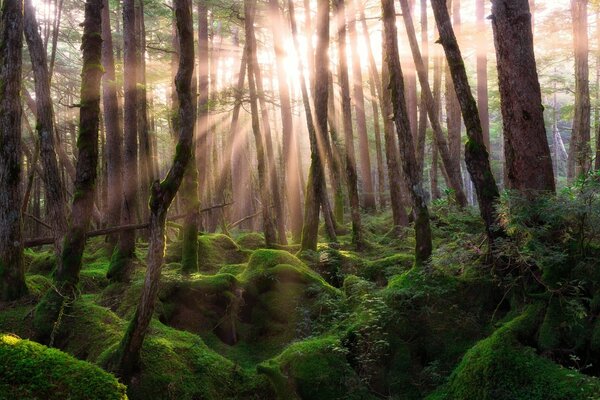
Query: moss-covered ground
{"x": 256, "y": 323}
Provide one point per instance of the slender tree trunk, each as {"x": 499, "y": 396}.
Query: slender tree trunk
{"x": 454, "y": 178}
{"x": 55, "y": 189}
{"x": 12, "y": 271}
{"x": 202, "y": 143}
{"x": 290, "y": 157}
{"x": 263, "y": 166}
{"x": 50, "y": 310}
{"x": 112, "y": 124}
{"x": 351, "y": 175}
{"x": 127, "y": 359}
{"x": 453, "y": 118}
{"x": 359, "y": 110}
{"x": 482, "y": 74}
{"x": 336, "y": 162}
{"x": 528, "y": 160}
{"x": 395, "y": 84}
{"x": 437, "y": 103}
{"x": 579, "y": 149}
{"x": 476, "y": 155}
{"x": 422, "y": 130}
{"x": 597, "y": 158}
{"x": 121, "y": 263}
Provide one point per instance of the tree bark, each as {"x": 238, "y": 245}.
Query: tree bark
{"x": 579, "y": 148}
{"x": 422, "y": 128}
{"x": 126, "y": 360}
{"x": 55, "y": 189}
{"x": 113, "y": 127}
{"x": 54, "y": 303}
{"x": 351, "y": 175}
{"x": 526, "y": 150}
{"x": 482, "y": 75}
{"x": 12, "y": 270}
{"x": 121, "y": 263}
{"x": 476, "y": 155}
{"x": 453, "y": 117}
{"x": 453, "y": 175}
{"x": 407, "y": 150}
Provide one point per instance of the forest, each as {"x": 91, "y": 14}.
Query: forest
{"x": 300, "y": 200}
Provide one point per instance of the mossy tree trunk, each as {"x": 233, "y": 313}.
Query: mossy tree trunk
{"x": 476, "y": 155}
{"x": 123, "y": 256}
{"x": 162, "y": 194}
{"x": 407, "y": 150}
{"x": 422, "y": 128}
{"x": 526, "y": 151}
{"x": 350, "y": 154}
{"x": 55, "y": 189}
{"x": 453, "y": 175}
{"x": 337, "y": 182}
{"x": 12, "y": 274}
{"x": 50, "y": 310}
{"x": 112, "y": 126}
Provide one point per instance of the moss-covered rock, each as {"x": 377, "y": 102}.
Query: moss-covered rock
{"x": 29, "y": 370}
{"x": 216, "y": 250}
{"x": 251, "y": 241}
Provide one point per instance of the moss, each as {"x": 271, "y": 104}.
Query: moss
{"x": 502, "y": 368}
{"x": 189, "y": 247}
{"x": 215, "y": 250}
{"x": 251, "y": 241}
{"x": 40, "y": 262}
{"x": 38, "y": 285}
{"x": 549, "y": 334}
{"x": 383, "y": 269}
{"x": 31, "y": 371}
{"x": 314, "y": 369}
{"x": 121, "y": 266}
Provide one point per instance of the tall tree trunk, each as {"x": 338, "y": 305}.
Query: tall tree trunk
{"x": 395, "y": 84}
{"x": 453, "y": 119}
{"x": 55, "y": 189}
{"x": 422, "y": 129}
{"x": 482, "y": 75}
{"x": 123, "y": 256}
{"x": 12, "y": 271}
{"x": 126, "y": 360}
{"x": 263, "y": 165}
{"x": 437, "y": 104}
{"x": 112, "y": 124}
{"x": 336, "y": 161}
{"x": 528, "y": 160}
{"x": 50, "y": 310}
{"x": 351, "y": 176}
{"x": 453, "y": 175}
{"x": 579, "y": 149}
{"x": 290, "y": 156}
{"x": 597, "y": 128}
{"x": 476, "y": 155}
{"x": 359, "y": 110}
{"x": 202, "y": 143}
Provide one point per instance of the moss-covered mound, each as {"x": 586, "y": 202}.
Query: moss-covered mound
{"x": 214, "y": 251}
{"x": 314, "y": 369}
{"x": 502, "y": 368}
{"x": 29, "y": 370}
{"x": 251, "y": 241}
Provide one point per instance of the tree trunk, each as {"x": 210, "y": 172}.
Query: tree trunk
{"x": 55, "y": 189}
{"x": 422, "y": 129}
{"x": 202, "y": 143}
{"x": 359, "y": 110}
{"x": 453, "y": 119}
{"x": 121, "y": 263}
{"x": 351, "y": 176}
{"x": 453, "y": 175}
{"x": 579, "y": 149}
{"x": 262, "y": 160}
{"x": 407, "y": 150}
{"x": 127, "y": 358}
{"x": 476, "y": 155}
{"x": 482, "y": 75}
{"x": 50, "y": 310}
{"x": 112, "y": 124}
{"x": 528, "y": 161}
{"x": 12, "y": 272}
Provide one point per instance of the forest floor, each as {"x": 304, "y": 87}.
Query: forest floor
{"x": 259, "y": 323}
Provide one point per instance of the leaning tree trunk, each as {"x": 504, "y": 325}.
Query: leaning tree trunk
{"x": 526, "y": 150}
{"x": 127, "y": 358}
{"x": 12, "y": 273}
{"x": 351, "y": 175}
{"x": 112, "y": 125}
{"x": 453, "y": 175}
{"x": 121, "y": 264}
{"x": 423, "y": 246}
{"x": 52, "y": 307}
{"x": 55, "y": 189}
{"x": 476, "y": 155}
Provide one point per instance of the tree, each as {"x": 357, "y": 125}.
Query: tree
{"x": 476, "y": 155}
{"x": 12, "y": 272}
{"x": 126, "y": 360}
{"x": 579, "y": 149}
{"x": 453, "y": 117}
{"x": 55, "y": 189}
{"x": 423, "y": 246}
{"x": 526, "y": 151}
{"x": 121, "y": 263}
{"x": 351, "y": 176}
{"x": 50, "y": 310}
{"x": 482, "y": 74}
